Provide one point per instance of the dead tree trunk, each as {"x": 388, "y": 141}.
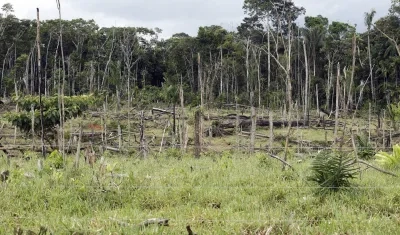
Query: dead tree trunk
{"x": 306, "y": 91}
{"x": 337, "y": 102}
{"x": 197, "y": 133}
{"x": 143, "y": 148}
{"x": 253, "y": 123}
{"x": 350, "y": 94}
{"x": 40, "y": 84}
{"x": 78, "y": 148}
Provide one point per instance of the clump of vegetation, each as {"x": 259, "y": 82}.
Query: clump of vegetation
{"x": 388, "y": 160}
{"x": 264, "y": 161}
{"x": 173, "y": 153}
{"x": 333, "y": 171}
{"x": 365, "y": 149}
{"x": 55, "y": 160}
{"x": 74, "y": 106}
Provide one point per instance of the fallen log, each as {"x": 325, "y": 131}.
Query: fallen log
{"x": 23, "y": 147}
{"x": 112, "y": 149}
{"x": 160, "y": 111}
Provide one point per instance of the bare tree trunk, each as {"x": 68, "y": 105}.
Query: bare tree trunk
{"x": 371, "y": 74}
{"x": 46, "y": 88}
{"x": 40, "y": 84}
{"x": 105, "y": 108}
{"x": 247, "y": 65}
{"x": 221, "y": 89}
{"x": 269, "y": 56}
{"x": 197, "y": 133}
{"x": 317, "y": 96}
{"x": 184, "y": 133}
{"x": 289, "y": 93}
{"x": 253, "y": 123}
{"x": 329, "y": 83}
{"x": 33, "y": 125}
{"x": 271, "y": 130}
{"x": 62, "y": 110}
{"x": 337, "y": 103}
{"x": 369, "y": 123}
{"x": 350, "y": 94}
{"x": 143, "y": 147}
{"x": 109, "y": 60}
{"x": 78, "y": 148}
{"x": 306, "y": 84}
{"x": 200, "y": 79}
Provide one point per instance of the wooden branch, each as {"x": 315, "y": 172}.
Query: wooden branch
{"x": 391, "y": 39}
{"x": 112, "y": 149}
{"x": 281, "y": 160}
{"x": 376, "y": 168}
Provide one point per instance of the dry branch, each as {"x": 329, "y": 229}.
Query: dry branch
{"x": 376, "y": 168}
{"x": 281, "y": 160}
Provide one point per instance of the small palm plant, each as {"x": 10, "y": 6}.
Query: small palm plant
{"x": 388, "y": 160}
{"x": 333, "y": 171}
{"x": 365, "y": 149}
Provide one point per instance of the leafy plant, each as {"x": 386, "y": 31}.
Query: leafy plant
{"x": 55, "y": 160}
{"x": 74, "y": 106}
{"x": 365, "y": 149}
{"x": 333, "y": 171}
{"x": 394, "y": 114}
{"x": 389, "y": 160}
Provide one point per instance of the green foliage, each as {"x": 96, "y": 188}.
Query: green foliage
{"x": 388, "y": 160}
{"x": 74, "y": 106}
{"x": 55, "y": 160}
{"x": 173, "y": 153}
{"x": 364, "y": 148}
{"x": 394, "y": 114}
{"x": 333, "y": 171}
{"x": 264, "y": 161}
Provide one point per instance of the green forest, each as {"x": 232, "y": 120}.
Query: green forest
{"x": 268, "y": 54}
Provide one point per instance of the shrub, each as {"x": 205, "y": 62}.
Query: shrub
{"x": 388, "y": 160}
{"x": 333, "y": 171}
{"x": 55, "y": 160}
{"x": 365, "y": 150}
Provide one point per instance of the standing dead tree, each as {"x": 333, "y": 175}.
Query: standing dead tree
{"x": 197, "y": 133}
{"x": 39, "y": 58}
{"x": 61, "y": 89}
{"x": 129, "y": 48}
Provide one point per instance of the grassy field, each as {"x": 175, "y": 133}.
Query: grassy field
{"x": 222, "y": 193}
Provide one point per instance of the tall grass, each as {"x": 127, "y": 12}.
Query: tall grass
{"x": 219, "y": 194}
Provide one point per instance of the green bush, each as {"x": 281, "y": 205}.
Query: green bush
{"x": 365, "y": 150}
{"x": 333, "y": 171}
{"x": 55, "y": 160}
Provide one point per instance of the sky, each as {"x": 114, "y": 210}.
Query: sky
{"x": 175, "y": 16}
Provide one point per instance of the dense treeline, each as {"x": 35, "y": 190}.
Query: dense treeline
{"x": 284, "y": 64}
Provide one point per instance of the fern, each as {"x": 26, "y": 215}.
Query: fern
{"x": 333, "y": 171}
{"x": 388, "y": 160}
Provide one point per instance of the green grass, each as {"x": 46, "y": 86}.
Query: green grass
{"x": 218, "y": 194}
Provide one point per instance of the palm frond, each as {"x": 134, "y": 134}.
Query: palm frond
{"x": 333, "y": 171}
